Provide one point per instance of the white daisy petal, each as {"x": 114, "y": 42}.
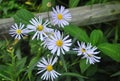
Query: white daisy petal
{"x": 41, "y": 71}
{"x": 62, "y": 51}
{"x": 58, "y": 44}
{"x": 34, "y": 35}
{"x": 66, "y": 48}
{"x": 88, "y": 52}
{"x": 60, "y": 16}
{"x": 58, "y": 52}
{"x": 90, "y": 55}
{"x": 18, "y": 31}
{"x": 81, "y": 49}
{"x": 38, "y": 27}
{"x": 49, "y": 72}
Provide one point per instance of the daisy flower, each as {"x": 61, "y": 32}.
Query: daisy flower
{"x": 81, "y": 50}
{"x": 58, "y": 44}
{"x": 38, "y": 27}
{"x": 88, "y": 52}
{"x": 46, "y": 66}
{"x": 91, "y": 54}
{"x": 18, "y": 31}
{"x": 60, "y": 16}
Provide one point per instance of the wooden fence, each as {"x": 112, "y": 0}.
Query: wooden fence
{"x": 81, "y": 16}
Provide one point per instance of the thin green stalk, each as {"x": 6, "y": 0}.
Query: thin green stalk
{"x": 14, "y": 76}
{"x": 12, "y": 65}
{"x": 75, "y": 62}
{"x": 116, "y": 34}
{"x": 109, "y": 33}
{"x": 62, "y": 3}
{"x": 63, "y": 62}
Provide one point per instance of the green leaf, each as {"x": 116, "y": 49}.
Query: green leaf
{"x": 111, "y": 50}
{"x": 5, "y": 77}
{"x": 35, "y": 44}
{"x": 23, "y": 16}
{"x": 116, "y": 74}
{"x": 96, "y": 37}
{"x": 20, "y": 65}
{"x": 73, "y": 74}
{"x": 18, "y": 53}
{"x": 31, "y": 66}
{"x": 63, "y": 62}
{"x": 77, "y": 32}
{"x": 83, "y": 65}
{"x": 3, "y": 74}
{"x": 73, "y": 3}
{"x": 91, "y": 70}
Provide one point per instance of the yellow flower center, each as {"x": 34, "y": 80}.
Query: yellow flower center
{"x": 39, "y": 27}
{"x": 59, "y": 43}
{"x": 83, "y": 50}
{"x": 49, "y": 68}
{"x": 59, "y": 16}
{"x": 18, "y": 31}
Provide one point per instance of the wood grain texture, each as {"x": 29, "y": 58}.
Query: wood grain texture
{"x": 81, "y": 16}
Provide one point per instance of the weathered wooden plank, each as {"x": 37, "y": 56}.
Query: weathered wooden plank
{"x": 81, "y": 16}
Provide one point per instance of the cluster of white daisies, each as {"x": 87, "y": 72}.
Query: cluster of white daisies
{"x": 54, "y": 40}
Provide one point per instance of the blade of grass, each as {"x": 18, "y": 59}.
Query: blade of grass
{"x": 63, "y": 62}
{"x": 74, "y": 75}
{"x": 5, "y": 77}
